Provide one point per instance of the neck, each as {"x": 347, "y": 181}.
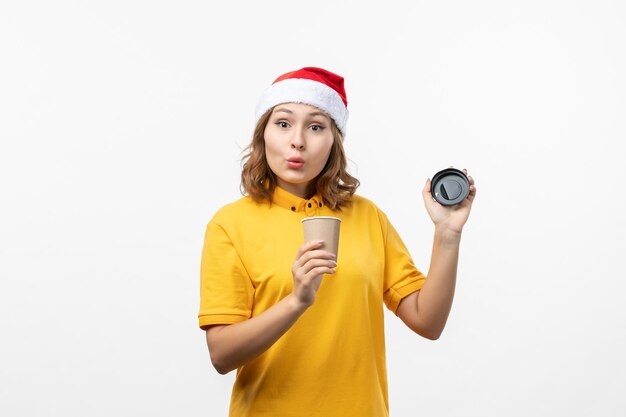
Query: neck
{"x": 305, "y": 191}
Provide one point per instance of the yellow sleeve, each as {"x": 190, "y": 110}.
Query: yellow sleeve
{"x": 226, "y": 291}
{"x": 401, "y": 276}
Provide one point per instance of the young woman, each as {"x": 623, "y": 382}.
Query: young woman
{"x": 305, "y": 333}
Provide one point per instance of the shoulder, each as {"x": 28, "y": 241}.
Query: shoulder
{"x": 365, "y": 207}
{"x": 236, "y": 210}
{"x": 361, "y": 202}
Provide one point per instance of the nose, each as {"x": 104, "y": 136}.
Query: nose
{"x": 297, "y": 141}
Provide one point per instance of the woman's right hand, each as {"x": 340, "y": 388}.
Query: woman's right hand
{"x": 307, "y": 270}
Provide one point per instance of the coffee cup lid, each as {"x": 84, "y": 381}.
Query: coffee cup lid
{"x": 449, "y": 186}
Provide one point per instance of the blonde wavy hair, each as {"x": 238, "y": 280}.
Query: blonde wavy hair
{"x": 334, "y": 183}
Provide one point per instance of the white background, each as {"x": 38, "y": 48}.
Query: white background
{"x": 122, "y": 125}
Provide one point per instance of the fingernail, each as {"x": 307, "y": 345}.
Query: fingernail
{"x": 333, "y": 261}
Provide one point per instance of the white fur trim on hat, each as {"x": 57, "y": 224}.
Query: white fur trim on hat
{"x": 301, "y": 90}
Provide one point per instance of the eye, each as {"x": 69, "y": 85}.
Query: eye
{"x": 319, "y": 128}
{"x": 282, "y": 124}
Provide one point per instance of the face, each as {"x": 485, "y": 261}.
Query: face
{"x": 298, "y": 141}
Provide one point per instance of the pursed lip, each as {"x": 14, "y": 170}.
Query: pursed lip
{"x": 296, "y": 159}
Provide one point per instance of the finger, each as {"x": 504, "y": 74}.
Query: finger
{"x": 316, "y": 263}
{"x": 426, "y": 192}
{"x": 471, "y": 181}
{"x": 320, "y": 270}
{"x": 318, "y": 254}
{"x": 472, "y": 193}
{"x": 426, "y": 189}
{"x": 314, "y": 254}
{"x": 307, "y": 246}
{"x": 471, "y": 198}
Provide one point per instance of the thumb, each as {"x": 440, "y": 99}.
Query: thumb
{"x": 426, "y": 189}
{"x": 426, "y": 193}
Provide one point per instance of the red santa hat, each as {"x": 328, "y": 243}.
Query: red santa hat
{"x": 309, "y": 85}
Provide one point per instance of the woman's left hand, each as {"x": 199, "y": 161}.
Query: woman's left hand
{"x": 451, "y": 218}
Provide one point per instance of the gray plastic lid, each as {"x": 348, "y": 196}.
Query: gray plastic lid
{"x": 449, "y": 186}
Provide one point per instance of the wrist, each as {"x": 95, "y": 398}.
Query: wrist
{"x": 295, "y": 304}
{"x": 447, "y": 235}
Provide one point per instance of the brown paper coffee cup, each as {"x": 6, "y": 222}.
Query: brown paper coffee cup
{"x": 323, "y": 228}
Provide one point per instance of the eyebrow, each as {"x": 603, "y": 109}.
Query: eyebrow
{"x": 314, "y": 113}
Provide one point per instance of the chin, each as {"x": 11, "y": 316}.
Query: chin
{"x": 295, "y": 179}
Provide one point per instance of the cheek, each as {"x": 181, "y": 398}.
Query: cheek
{"x": 325, "y": 152}
{"x": 273, "y": 156}
{"x": 270, "y": 156}
{"x": 270, "y": 146}
{"x": 321, "y": 159}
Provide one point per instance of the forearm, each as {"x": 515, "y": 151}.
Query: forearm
{"x": 435, "y": 297}
{"x": 236, "y": 344}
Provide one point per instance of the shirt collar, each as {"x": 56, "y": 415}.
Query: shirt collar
{"x": 285, "y": 199}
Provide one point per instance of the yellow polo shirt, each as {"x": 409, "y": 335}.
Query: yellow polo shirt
{"x": 331, "y": 362}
